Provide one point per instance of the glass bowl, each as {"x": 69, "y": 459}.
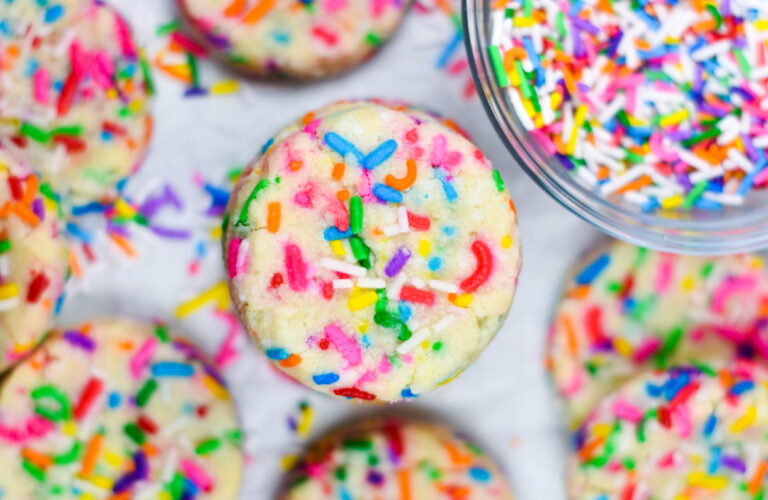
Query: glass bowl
{"x": 730, "y": 230}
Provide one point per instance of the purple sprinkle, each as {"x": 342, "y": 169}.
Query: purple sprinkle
{"x": 397, "y": 262}
{"x": 749, "y": 147}
{"x": 164, "y": 232}
{"x": 375, "y": 478}
{"x": 113, "y": 228}
{"x": 734, "y": 463}
{"x": 77, "y": 339}
{"x": 582, "y": 25}
{"x": 195, "y": 92}
{"x": 38, "y": 207}
{"x": 712, "y": 110}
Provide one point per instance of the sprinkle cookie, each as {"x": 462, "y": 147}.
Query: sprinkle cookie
{"x": 372, "y": 255}
{"x": 693, "y": 432}
{"x": 33, "y": 262}
{"x": 625, "y": 309}
{"x": 74, "y": 95}
{"x": 306, "y": 39}
{"x": 117, "y": 409}
{"x": 395, "y": 459}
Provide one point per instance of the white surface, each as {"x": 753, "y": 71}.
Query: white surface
{"x": 503, "y": 401}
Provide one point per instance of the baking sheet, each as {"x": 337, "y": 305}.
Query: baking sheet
{"x": 503, "y": 400}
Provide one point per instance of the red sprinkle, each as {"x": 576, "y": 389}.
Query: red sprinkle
{"x": 276, "y": 281}
{"x": 483, "y": 269}
{"x": 147, "y": 424}
{"x": 353, "y": 392}
{"x": 418, "y": 222}
{"x": 89, "y": 395}
{"x": 14, "y": 184}
{"x": 67, "y": 96}
{"x": 37, "y": 287}
{"x": 413, "y": 294}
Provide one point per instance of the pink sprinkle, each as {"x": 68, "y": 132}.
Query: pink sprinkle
{"x": 625, "y": 411}
{"x": 227, "y": 352}
{"x": 658, "y": 149}
{"x": 384, "y": 366}
{"x": 681, "y": 420}
{"x": 232, "y": 256}
{"x": 664, "y": 275}
{"x": 364, "y": 187}
{"x": 188, "y": 44}
{"x": 35, "y": 427}
{"x": 311, "y": 129}
{"x": 332, "y": 6}
{"x": 439, "y": 146}
{"x": 347, "y": 346}
{"x": 575, "y": 385}
{"x": 645, "y": 350}
{"x": 241, "y": 266}
{"x": 42, "y": 83}
{"x": 367, "y": 377}
{"x": 296, "y": 268}
{"x": 338, "y": 211}
{"x": 124, "y": 37}
{"x": 142, "y": 357}
{"x": 669, "y": 460}
{"x": 196, "y": 474}
{"x": 730, "y": 286}
{"x": 377, "y": 7}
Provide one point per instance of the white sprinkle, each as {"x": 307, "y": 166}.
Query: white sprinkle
{"x": 391, "y": 230}
{"x": 693, "y": 160}
{"x": 443, "y": 286}
{"x": 587, "y": 176}
{"x": 342, "y": 267}
{"x": 711, "y": 50}
{"x": 635, "y": 197}
{"x": 622, "y": 180}
{"x": 760, "y": 142}
{"x": 417, "y": 338}
{"x": 342, "y": 284}
{"x": 724, "y": 199}
{"x": 520, "y": 111}
{"x": 393, "y": 290}
{"x": 402, "y": 219}
{"x": 175, "y": 426}
{"x": 149, "y": 491}
{"x": 704, "y": 175}
{"x": 759, "y": 73}
{"x": 8, "y": 304}
{"x": 740, "y": 160}
{"x": 169, "y": 465}
{"x": 611, "y": 109}
{"x": 371, "y": 283}
{"x": 418, "y": 282}
{"x": 443, "y": 323}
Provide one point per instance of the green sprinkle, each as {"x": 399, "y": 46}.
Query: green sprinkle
{"x": 235, "y": 435}
{"x": 560, "y": 25}
{"x": 359, "y": 444}
{"x": 68, "y": 130}
{"x": 33, "y": 470}
{"x": 5, "y": 245}
{"x": 149, "y": 387}
{"x": 437, "y": 346}
{"x": 134, "y": 433}
{"x": 694, "y": 195}
{"x": 498, "y": 180}
{"x": 707, "y": 268}
{"x": 716, "y": 15}
{"x": 341, "y": 473}
{"x": 361, "y": 251}
{"x": 176, "y": 488}
{"x": 525, "y": 87}
{"x": 498, "y": 66}
{"x": 149, "y": 83}
{"x": 63, "y": 410}
{"x": 193, "y": 71}
{"x": 356, "y": 214}
{"x": 167, "y": 28}
{"x": 243, "y": 219}
{"x": 35, "y": 133}
{"x": 208, "y": 446}
{"x": 743, "y": 63}
{"x": 161, "y": 332}
{"x": 703, "y": 136}
{"x": 373, "y": 39}
{"x": 70, "y": 456}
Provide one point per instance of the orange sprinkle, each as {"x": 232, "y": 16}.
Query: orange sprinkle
{"x": 126, "y": 495}
{"x": 570, "y": 84}
{"x": 578, "y": 292}
{"x": 31, "y": 191}
{"x": 150, "y": 449}
{"x": 512, "y": 207}
{"x": 124, "y": 245}
{"x": 25, "y": 214}
{"x": 586, "y": 451}
{"x": 456, "y": 456}
{"x": 235, "y": 8}
{"x": 570, "y": 334}
{"x": 291, "y": 361}
{"x": 403, "y": 182}
{"x": 273, "y": 217}
{"x": 342, "y": 195}
{"x": 296, "y": 165}
{"x": 37, "y": 458}
{"x": 91, "y": 455}
{"x": 74, "y": 263}
{"x": 637, "y": 184}
{"x": 757, "y": 478}
{"x": 260, "y": 10}
{"x": 126, "y": 345}
{"x": 338, "y": 171}
{"x": 307, "y": 119}
{"x": 404, "y": 480}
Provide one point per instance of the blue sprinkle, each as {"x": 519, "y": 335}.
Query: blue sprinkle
{"x": 445, "y": 56}
{"x": 714, "y": 460}
{"x": 675, "y": 385}
{"x": 742, "y": 387}
{"x": 448, "y": 189}
{"x": 91, "y": 208}
{"x": 172, "y": 369}
{"x": 365, "y": 341}
{"x": 281, "y": 37}
{"x": 277, "y": 353}
{"x": 219, "y": 197}
{"x": 113, "y": 400}
{"x": 406, "y": 393}
{"x": 386, "y": 193}
{"x": 654, "y": 391}
{"x": 342, "y": 146}
{"x": 78, "y": 233}
{"x": 650, "y": 205}
{"x": 267, "y": 145}
{"x": 449, "y": 230}
{"x": 592, "y": 271}
{"x": 709, "y": 425}
{"x": 333, "y": 234}
{"x": 345, "y": 494}
{"x": 53, "y": 13}
{"x": 325, "y": 378}
{"x": 106, "y": 136}
{"x": 59, "y": 303}
{"x": 434, "y": 263}
{"x": 480, "y": 474}
{"x": 404, "y": 310}
{"x": 379, "y": 155}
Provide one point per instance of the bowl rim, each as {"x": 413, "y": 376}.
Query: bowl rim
{"x": 718, "y": 236}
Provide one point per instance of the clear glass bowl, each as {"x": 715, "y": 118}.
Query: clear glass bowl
{"x": 731, "y": 230}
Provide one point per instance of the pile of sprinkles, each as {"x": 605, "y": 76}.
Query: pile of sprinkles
{"x": 33, "y": 262}
{"x": 371, "y": 251}
{"x": 118, "y": 409}
{"x": 661, "y": 104}
{"x": 692, "y": 432}
{"x": 625, "y": 309}
{"x": 397, "y": 460}
{"x": 74, "y": 95}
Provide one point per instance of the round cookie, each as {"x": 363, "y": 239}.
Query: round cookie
{"x": 33, "y": 262}
{"x": 74, "y": 95}
{"x": 625, "y": 309}
{"x": 395, "y": 459}
{"x": 372, "y": 255}
{"x": 693, "y": 432}
{"x": 302, "y": 40}
{"x": 117, "y": 409}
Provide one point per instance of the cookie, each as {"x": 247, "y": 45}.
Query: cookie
{"x": 117, "y": 409}
{"x": 301, "y": 40}
{"x": 33, "y": 262}
{"x": 74, "y": 97}
{"x": 372, "y": 255}
{"x": 395, "y": 459}
{"x": 692, "y": 432}
{"x": 625, "y": 309}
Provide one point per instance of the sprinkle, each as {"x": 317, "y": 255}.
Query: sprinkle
{"x": 172, "y": 369}
{"x": 325, "y": 378}
{"x": 342, "y": 267}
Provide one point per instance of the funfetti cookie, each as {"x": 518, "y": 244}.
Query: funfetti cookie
{"x": 117, "y": 409}
{"x": 33, "y": 261}
{"x": 74, "y": 95}
{"x": 625, "y": 309}
{"x": 389, "y": 459}
{"x": 372, "y": 255}
{"x": 692, "y": 432}
{"x": 294, "y": 39}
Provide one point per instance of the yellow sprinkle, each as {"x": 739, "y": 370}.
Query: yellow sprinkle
{"x": 671, "y": 202}
{"x": 288, "y": 461}
{"x": 123, "y": 209}
{"x": 687, "y": 283}
{"x": 113, "y": 459}
{"x": 135, "y": 106}
{"x": 102, "y": 482}
{"x": 681, "y": 497}
{"x": 8, "y": 291}
{"x": 758, "y": 263}
{"x": 745, "y": 420}
{"x": 216, "y": 232}
{"x": 706, "y": 481}
{"x": 22, "y": 348}
{"x": 69, "y": 428}
{"x": 556, "y": 100}
{"x": 424, "y": 248}
{"x": 578, "y": 122}
{"x": 601, "y": 430}
{"x": 538, "y": 121}
{"x": 86, "y": 496}
{"x": 338, "y": 247}
{"x": 463, "y": 300}
{"x": 528, "y": 105}
{"x": 451, "y": 378}
{"x": 357, "y": 302}
{"x": 218, "y": 293}
{"x": 225, "y": 87}
{"x": 523, "y": 22}
{"x": 305, "y": 422}
{"x": 216, "y": 389}
{"x": 674, "y": 118}
{"x": 506, "y": 241}
{"x": 112, "y": 94}
{"x": 761, "y": 24}
{"x": 514, "y": 78}
{"x": 164, "y": 495}
{"x": 362, "y": 327}
{"x": 622, "y": 346}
